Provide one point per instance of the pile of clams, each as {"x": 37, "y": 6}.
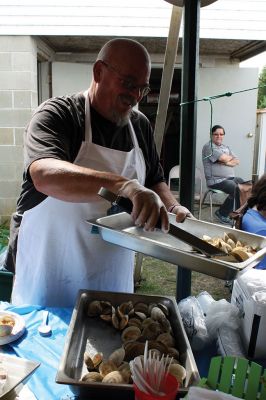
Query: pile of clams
{"x": 237, "y": 251}
{"x": 138, "y": 323}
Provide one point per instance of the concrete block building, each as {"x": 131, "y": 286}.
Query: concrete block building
{"x": 47, "y": 48}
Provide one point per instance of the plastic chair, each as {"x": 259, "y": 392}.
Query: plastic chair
{"x": 174, "y": 174}
{"x": 198, "y": 189}
{"x": 210, "y": 192}
{"x": 236, "y": 376}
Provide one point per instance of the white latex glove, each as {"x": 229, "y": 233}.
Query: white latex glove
{"x": 147, "y": 206}
{"x": 181, "y": 213}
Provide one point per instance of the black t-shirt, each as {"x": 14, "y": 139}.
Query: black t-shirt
{"x": 57, "y": 130}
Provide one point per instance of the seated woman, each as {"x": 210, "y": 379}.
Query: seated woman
{"x": 254, "y": 219}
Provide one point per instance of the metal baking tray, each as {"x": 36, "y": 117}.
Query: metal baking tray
{"x": 94, "y": 334}
{"x": 120, "y": 230}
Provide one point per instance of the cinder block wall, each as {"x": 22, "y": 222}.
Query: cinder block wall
{"x": 18, "y": 99}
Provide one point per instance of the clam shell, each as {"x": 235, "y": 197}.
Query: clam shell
{"x": 240, "y": 254}
{"x": 151, "y": 330}
{"x": 178, "y": 371}
{"x": 141, "y": 307}
{"x": 135, "y": 322}
{"x": 130, "y": 333}
{"x": 123, "y": 322}
{"x": 225, "y": 237}
{"x": 164, "y": 309}
{"x": 146, "y": 322}
{"x": 107, "y": 307}
{"x": 157, "y": 314}
{"x": 106, "y": 317}
{"x": 131, "y": 313}
{"x": 140, "y": 315}
{"x": 113, "y": 377}
{"x": 154, "y": 352}
{"x": 106, "y": 367}
{"x": 167, "y": 339}
{"x": 226, "y": 248}
{"x": 97, "y": 359}
{"x": 231, "y": 243}
{"x": 133, "y": 349}
{"x": 153, "y": 344}
{"x": 115, "y": 321}
{"x": 170, "y": 360}
{"x": 165, "y": 325}
{"x": 150, "y": 307}
{"x": 92, "y": 377}
{"x": 173, "y": 352}
{"x": 88, "y": 361}
{"x": 117, "y": 356}
{"x": 124, "y": 370}
{"x": 232, "y": 237}
{"x": 124, "y": 308}
{"x": 94, "y": 308}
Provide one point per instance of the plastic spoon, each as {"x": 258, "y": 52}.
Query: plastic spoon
{"x": 45, "y": 329}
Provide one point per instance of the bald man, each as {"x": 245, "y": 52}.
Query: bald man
{"x": 74, "y": 145}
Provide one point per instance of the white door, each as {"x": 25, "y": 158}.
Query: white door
{"x": 236, "y": 113}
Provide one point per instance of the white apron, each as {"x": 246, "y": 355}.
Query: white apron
{"x": 57, "y": 254}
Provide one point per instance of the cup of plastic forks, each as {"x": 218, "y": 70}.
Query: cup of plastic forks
{"x": 168, "y": 389}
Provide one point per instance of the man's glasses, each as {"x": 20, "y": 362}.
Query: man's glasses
{"x": 127, "y": 83}
{"x": 218, "y": 134}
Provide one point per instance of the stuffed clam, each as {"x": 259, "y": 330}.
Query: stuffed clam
{"x": 237, "y": 250}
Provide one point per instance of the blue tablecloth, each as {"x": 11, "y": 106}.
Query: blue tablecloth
{"x": 46, "y": 350}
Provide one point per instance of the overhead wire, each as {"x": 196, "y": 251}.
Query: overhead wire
{"x": 214, "y": 97}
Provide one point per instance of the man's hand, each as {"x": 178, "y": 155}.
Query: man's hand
{"x": 147, "y": 206}
{"x": 181, "y": 213}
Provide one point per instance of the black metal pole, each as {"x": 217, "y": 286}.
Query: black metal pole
{"x": 190, "y": 61}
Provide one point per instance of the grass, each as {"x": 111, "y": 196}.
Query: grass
{"x": 4, "y": 235}
{"x": 159, "y": 278}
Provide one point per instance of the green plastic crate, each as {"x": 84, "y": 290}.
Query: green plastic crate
{"x": 236, "y": 376}
{"x": 6, "y": 282}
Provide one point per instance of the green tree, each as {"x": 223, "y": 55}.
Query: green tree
{"x": 262, "y": 89}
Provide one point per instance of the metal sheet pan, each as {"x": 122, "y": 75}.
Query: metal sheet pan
{"x": 119, "y": 229}
{"x": 85, "y": 332}
{"x": 19, "y": 371}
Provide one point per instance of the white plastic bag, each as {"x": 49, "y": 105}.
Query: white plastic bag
{"x": 205, "y": 300}
{"x": 221, "y": 313}
{"x": 229, "y": 342}
{"x": 194, "y": 322}
{"x": 254, "y": 280}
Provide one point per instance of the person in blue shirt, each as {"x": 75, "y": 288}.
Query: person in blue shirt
{"x": 254, "y": 219}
